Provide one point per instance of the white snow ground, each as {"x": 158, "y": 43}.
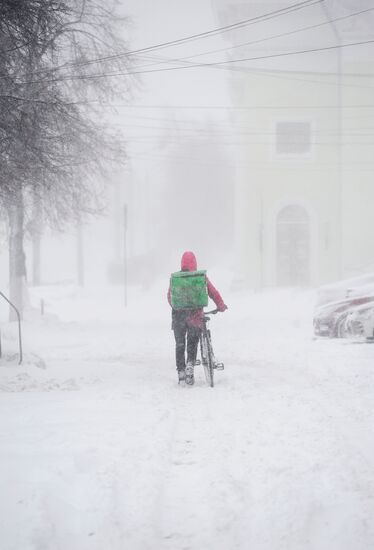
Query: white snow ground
{"x": 100, "y": 449}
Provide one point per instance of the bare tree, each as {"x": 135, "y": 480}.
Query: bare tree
{"x": 54, "y": 61}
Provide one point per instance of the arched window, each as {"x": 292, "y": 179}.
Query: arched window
{"x": 293, "y": 246}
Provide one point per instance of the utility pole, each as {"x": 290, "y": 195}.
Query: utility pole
{"x": 36, "y": 237}
{"x": 117, "y": 220}
{"x": 80, "y": 259}
{"x": 340, "y": 144}
{"x": 125, "y": 253}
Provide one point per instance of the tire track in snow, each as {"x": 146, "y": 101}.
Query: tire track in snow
{"x": 198, "y": 500}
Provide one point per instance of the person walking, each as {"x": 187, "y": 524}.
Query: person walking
{"x": 187, "y": 324}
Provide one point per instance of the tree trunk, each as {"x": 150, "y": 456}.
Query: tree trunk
{"x": 36, "y": 233}
{"x": 17, "y": 259}
{"x": 36, "y": 241}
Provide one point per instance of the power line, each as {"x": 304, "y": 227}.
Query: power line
{"x": 240, "y": 24}
{"x": 216, "y": 140}
{"x": 213, "y": 32}
{"x": 275, "y": 73}
{"x": 283, "y": 54}
{"x": 229, "y": 131}
{"x": 216, "y": 124}
{"x": 281, "y": 35}
{"x": 219, "y": 64}
{"x": 258, "y": 166}
{"x": 234, "y": 107}
{"x": 198, "y": 65}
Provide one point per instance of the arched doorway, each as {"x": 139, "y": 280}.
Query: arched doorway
{"x": 293, "y": 246}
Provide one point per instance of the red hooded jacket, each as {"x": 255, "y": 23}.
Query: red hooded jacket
{"x": 189, "y": 263}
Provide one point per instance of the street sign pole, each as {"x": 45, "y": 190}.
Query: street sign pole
{"x": 125, "y": 252}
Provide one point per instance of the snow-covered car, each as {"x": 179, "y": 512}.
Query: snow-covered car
{"x": 341, "y": 290}
{"x": 342, "y": 308}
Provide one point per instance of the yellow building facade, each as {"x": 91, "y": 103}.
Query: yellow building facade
{"x": 304, "y": 189}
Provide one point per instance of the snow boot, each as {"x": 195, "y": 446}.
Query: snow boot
{"x": 190, "y": 379}
{"x": 181, "y": 375}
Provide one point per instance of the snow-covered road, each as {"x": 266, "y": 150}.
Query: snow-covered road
{"x": 102, "y": 450}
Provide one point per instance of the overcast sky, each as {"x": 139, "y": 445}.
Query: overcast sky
{"x": 166, "y": 20}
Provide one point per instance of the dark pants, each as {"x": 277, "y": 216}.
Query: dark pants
{"x": 183, "y": 331}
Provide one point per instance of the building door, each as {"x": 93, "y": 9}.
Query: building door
{"x": 293, "y": 246}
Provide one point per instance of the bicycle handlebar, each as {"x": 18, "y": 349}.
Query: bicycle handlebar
{"x": 213, "y": 312}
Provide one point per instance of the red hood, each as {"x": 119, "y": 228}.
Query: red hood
{"x": 188, "y": 262}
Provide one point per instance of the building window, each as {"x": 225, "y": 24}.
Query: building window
{"x": 293, "y": 138}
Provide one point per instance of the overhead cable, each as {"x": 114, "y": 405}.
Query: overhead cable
{"x": 198, "y": 65}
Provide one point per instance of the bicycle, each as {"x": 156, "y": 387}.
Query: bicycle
{"x": 208, "y": 359}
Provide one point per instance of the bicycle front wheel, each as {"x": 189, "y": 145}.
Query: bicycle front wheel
{"x": 207, "y": 358}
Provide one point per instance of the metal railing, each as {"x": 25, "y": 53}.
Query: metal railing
{"x": 19, "y": 326}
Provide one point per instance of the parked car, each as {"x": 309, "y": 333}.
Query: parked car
{"x": 345, "y": 309}
{"x": 360, "y": 321}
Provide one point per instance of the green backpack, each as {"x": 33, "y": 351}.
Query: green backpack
{"x": 188, "y": 289}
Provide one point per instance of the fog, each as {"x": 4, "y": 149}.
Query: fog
{"x": 262, "y": 167}
{"x": 248, "y": 130}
